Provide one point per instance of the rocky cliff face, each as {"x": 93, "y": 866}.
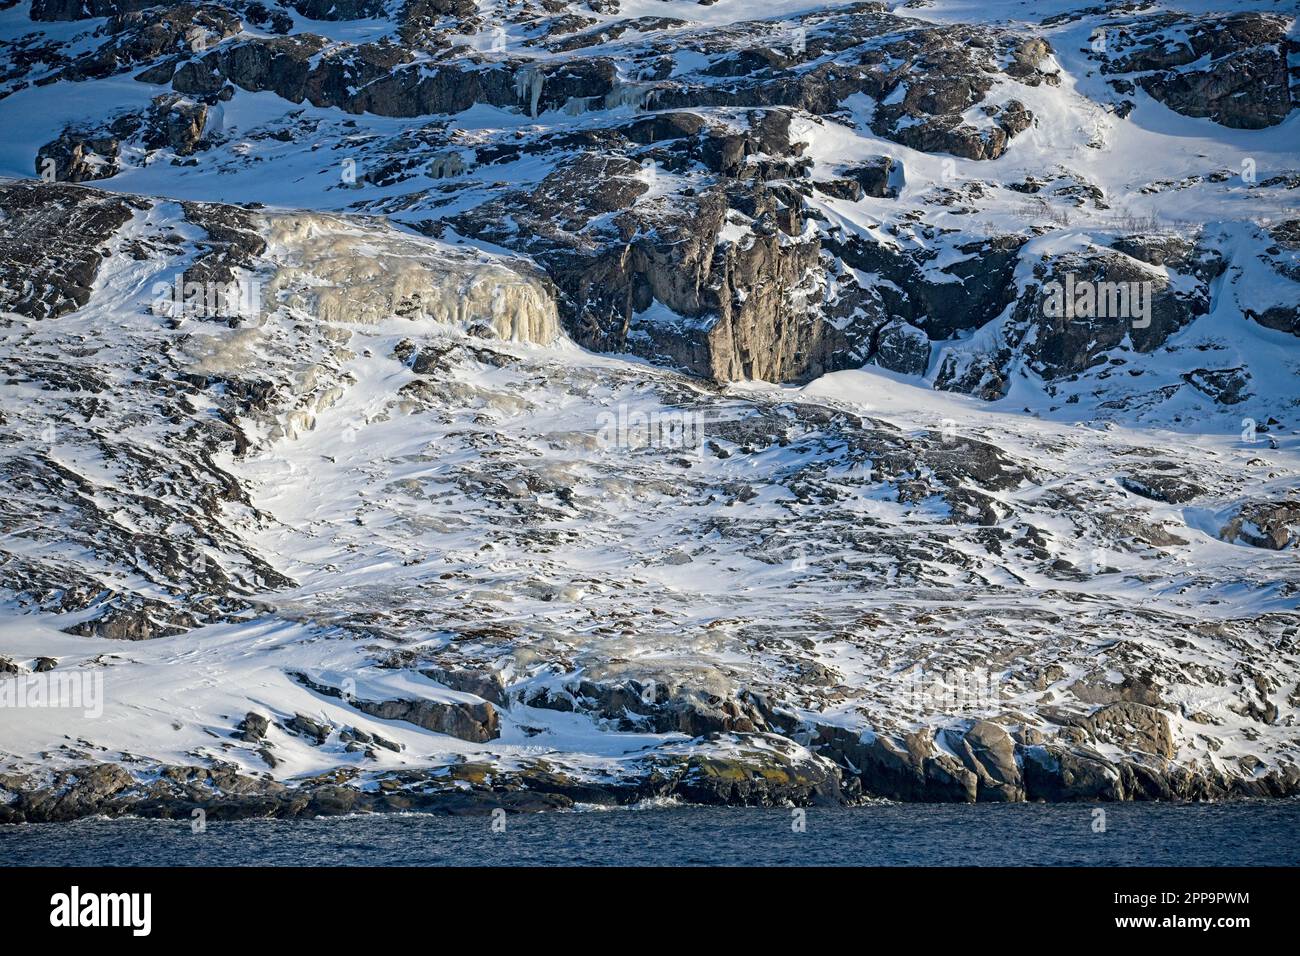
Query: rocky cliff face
{"x": 734, "y": 261}
{"x": 568, "y": 405}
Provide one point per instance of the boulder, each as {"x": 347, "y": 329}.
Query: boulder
{"x": 175, "y": 122}
{"x": 305, "y": 726}
{"x": 876, "y": 177}
{"x": 77, "y": 157}
{"x": 1056, "y": 773}
{"x": 253, "y": 727}
{"x": 989, "y": 752}
{"x": 475, "y": 722}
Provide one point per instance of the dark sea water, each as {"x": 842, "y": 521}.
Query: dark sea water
{"x": 884, "y": 834}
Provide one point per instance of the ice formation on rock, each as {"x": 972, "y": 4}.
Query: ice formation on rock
{"x": 343, "y": 272}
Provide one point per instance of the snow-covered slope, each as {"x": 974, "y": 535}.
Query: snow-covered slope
{"x": 645, "y": 400}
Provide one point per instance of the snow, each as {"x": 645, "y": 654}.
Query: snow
{"x": 420, "y": 512}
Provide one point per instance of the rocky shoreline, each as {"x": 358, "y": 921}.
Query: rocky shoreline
{"x": 750, "y": 770}
{"x": 954, "y": 462}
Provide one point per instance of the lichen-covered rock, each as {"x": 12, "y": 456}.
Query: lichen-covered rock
{"x": 744, "y": 770}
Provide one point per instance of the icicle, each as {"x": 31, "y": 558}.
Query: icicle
{"x": 529, "y": 81}
{"x": 635, "y": 95}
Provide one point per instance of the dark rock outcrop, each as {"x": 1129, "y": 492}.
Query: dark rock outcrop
{"x": 901, "y": 347}
{"x": 53, "y": 10}
{"x": 129, "y": 619}
{"x": 994, "y": 766}
{"x": 1133, "y": 727}
{"x": 304, "y": 726}
{"x": 1231, "y": 69}
{"x": 78, "y": 157}
{"x": 485, "y": 684}
{"x": 476, "y": 722}
{"x": 664, "y": 280}
{"x": 177, "y": 123}
{"x": 67, "y": 224}
{"x": 141, "y": 36}
{"x": 1265, "y": 524}
{"x": 659, "y": 707}
{"x": 253, "y": 727}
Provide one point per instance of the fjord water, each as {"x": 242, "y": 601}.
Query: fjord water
{"x": 1230, "y": 834}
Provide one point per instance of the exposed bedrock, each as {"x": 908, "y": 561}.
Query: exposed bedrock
{"x": 1232, "y": 69}
{"x": 1075, "y": 309}
{"x": 927, "y": 77}
{"x": 68, "y": 224}
{"x": 183, "y": 564}
{"x": 78, "y": 157}
{"x": 722, "y": 769}
{"x": 661, "y": 706}
{"x": 724, "y": 283}
{"x": 46, "y": 10}
{"x": 474, "y": 721}
{"x": 137, "y": 37}
{"x": 996, "y": 763}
